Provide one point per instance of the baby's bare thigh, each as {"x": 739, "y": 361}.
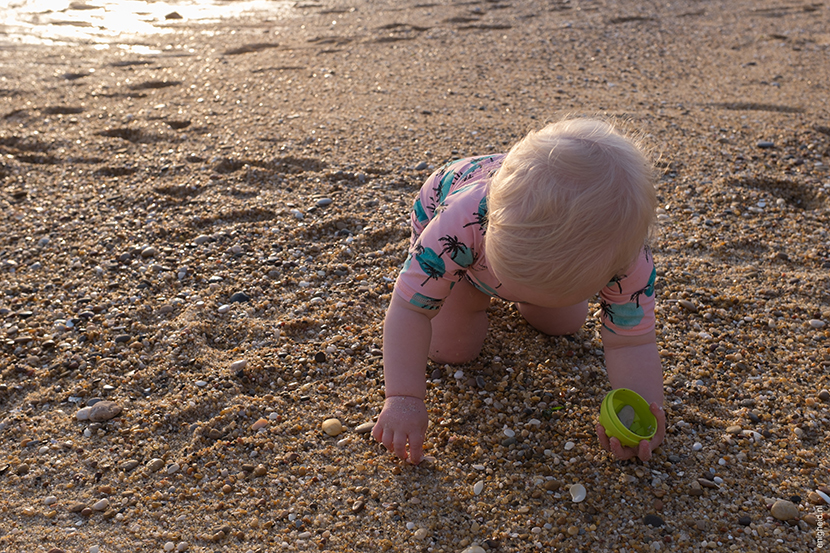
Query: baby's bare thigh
{"x": 559, "y": 321}
{"x": 459, "y": 329}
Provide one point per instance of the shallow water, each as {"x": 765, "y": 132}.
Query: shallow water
{"x": 118, "y": 22}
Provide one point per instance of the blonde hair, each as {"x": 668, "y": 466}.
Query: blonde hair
{"x": 572, "y": 201}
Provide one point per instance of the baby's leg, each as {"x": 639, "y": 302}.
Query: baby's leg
{"x": 459, "y": 329}
{"x": 557, "y": 321}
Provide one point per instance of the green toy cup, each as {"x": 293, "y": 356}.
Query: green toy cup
{"x": 644, "y": 425}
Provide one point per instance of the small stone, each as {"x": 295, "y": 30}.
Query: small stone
{"x": 358, "y": 506}
{"x": 421, "y": 166}
{"x": 50, "y": 500}
{"x": 824, "y": 395}
{"x": 222, "y": 309}
{"x": 22, "y": 469}
{"x": 104, "y": 411}
{"x": 734, "y": 429}
{"x": 657, "y": 504}
{"x": 261, "y": 423}
{"x": 240, "y": 297}
{"x": 765, "y": 144}
{"x": 319, "y": 357}
{"x": 626, "y": 415}
{"x": 421, "y": 533}
{"x": 695, "y": 489}
{"x": 744, "y": 521}
{"x": 784, "y": 510}
{"x": 332, "y": 427}
{"x": 365, "y": 428}
{"x": 653, "y": 520}
{"x": 816, "y": 323}
{"x": 552, "y": 485}
{"x": 239, "y": 364}
{"x": 173, "y": 468}
{"x": 201, "y": 239}
{"x": 687, "y": 305}
{"x": 149, "y": 252}
{"x": 260, "y": 470}
{"x": 569, "y": 446}
{"x": 510, "y": 433}
{"x": 810, "y": 519}
{"x": 697, "y": 446}
{"x": 76, "y": 507}
{"x": 474, "y": 549}
{"x": 82, "y": 414}
{"x": 706, "y": 483}
{"x": 155, "y": 465}
{"x": 573, "y": 530}
{"x": 323, "y": 202}
{"x": 101, "y": 504}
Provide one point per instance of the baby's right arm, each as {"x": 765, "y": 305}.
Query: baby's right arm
{"x": 406, "y": 336}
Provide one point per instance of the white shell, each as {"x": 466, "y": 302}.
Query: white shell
{"x": 578, "y": 492}
{"x": 478, "y": 487}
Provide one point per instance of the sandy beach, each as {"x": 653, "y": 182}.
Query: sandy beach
{"x": 201, "y": 230}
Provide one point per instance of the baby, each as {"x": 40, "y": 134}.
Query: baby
{"x": 564, "y": 215}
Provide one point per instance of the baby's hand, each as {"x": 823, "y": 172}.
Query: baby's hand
{"x": 403, "y": 420}
{"x": 643, "y": 451}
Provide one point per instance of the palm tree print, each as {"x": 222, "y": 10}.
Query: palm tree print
{"x": 459, "y": 252}
{"x": 480, "y": 216}
{"x": 430, "y": 262}
{"x": 648, "y": 290}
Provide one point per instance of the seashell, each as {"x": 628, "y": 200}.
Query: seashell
{"x": 578, "y": 493}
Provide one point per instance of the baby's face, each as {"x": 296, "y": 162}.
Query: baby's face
{"x": 513, "y": 291}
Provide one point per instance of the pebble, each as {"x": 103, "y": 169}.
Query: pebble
{"x": 202, "y": 239}
{"x": 474, "y": 549}
{"x": 569, "y": 446}
{"x": 765, "y": 144}
{"x": 223, "y": 309}
{"x": 421, "y": 166}
{"x": 697, "y": 446}
{"x": 240, "y": 297}
{"x": 784, "y": 510}
{"x": 695, "y": 489}
{"x": 552, "y": 485}
{"x": 154, "y": 465}
{"x": 149, "y": 252}
{"x": 687, "y": 305}
{"x": 478, "y": 487}
{"x": 744, "y": 521}
{"x": 816, "y": 323}
{"x": 82, "y": 414}
{"x": 509, "y": 433}
{"x": 332, "y": 427}
{"x": 101, "y": 504}
{"x": 261, "y": 423}
{"x": 653, "y": 520}
{"x": 173, "y": 468}
{"x": 421, "y": 533}
{"x": 365, "y": 428}
{"x": 104, "y": 411}
{"x": 323, "y": 202}
{"x": 239, "y": 364}
{"x": 578, "y": 493}
{"x": 573, "y": 530}
{"x": 824, "y": 395}
{"x": 50, "y": 500}
{"x": 734, "y": 429}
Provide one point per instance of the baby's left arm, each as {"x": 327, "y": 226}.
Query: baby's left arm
{"x": 633, "y": 362}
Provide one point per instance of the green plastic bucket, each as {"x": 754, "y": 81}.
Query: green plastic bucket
{"x": 644, "y": 425}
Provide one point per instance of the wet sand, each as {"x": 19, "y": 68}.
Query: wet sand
{"x": 206, "y": 235}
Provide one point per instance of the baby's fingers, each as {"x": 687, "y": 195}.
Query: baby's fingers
{"x": 399, "y": 445}
{"x": 416, "y": 448}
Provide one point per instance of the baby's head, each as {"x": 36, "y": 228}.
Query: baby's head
{"x": 572, "y": 203}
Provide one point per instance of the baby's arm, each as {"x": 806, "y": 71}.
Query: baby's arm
{"x": 406, "y": 336}
{"x": 633, "y": 362}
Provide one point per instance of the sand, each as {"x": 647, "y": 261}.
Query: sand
{"x": 204, "y": 229}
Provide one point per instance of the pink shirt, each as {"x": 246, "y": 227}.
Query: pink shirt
{"x": 449, "y": 221}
